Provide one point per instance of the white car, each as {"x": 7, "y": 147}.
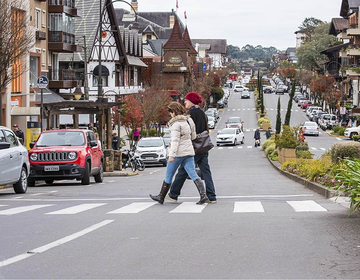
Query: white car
{"x": 152, "y": 150}
{"x": 14, "y": 161}
{"x": 351, "y": 131}
{"x": 240, "y": 88}
{"x": 310, "y": 128}
{"x": 232, "y": 136}
{"x": 211, "y": 122}
{"x": 309, "y": 110}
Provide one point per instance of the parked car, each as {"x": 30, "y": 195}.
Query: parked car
{"x": 351, "y": 131}
{"x": 318, "y": 116}
{"x": 309, "y": 109}
{"x": 221, "y": 103}
{"x": 211, "y": 122}
{"x": 234, "y": 122}
{"x": 152, "y": 150}
{"x": 310, "y": 128}
{"x": 297, "y": 96}
{"x": 327, "y": 121}
{"x": 305, "y": 104}
{"x": 279, "y": 90}
{"x": 66, "y": 154}
{"x": 215, "y": 111}
{"x": 300, "y": 99}
{"x": 14, "y": 161}
{"x": 232, "y": 136}
{"x": 313, "y": 113}
{"x": 166, "y": 138}
{"x": 245, "y": 94}
{"x": 268, "y": 89}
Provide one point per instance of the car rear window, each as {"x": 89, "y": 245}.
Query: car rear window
{"x": 235, "y": 120}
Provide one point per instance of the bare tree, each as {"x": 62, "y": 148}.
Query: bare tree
{"x": 16, "y": 40}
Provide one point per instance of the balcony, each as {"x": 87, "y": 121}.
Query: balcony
{"x": 64, "y": 6}
{"x": 353, "y": 32}
{"x": 352, "y": 73}
{"x": 353, "y": 52}
{"x": 40, "y": 35}
{"x": 62, "y": 79}
{"x": 60, "y": 41}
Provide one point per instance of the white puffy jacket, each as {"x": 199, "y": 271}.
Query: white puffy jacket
{"x": 182, "y": 131}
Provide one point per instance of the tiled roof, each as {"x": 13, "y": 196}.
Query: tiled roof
{"x": 346, "y": 5}
{"x": 338, "y": 25}
{"x": 217, "y": 45}
{"x": 176, "y": 39}
{"x": 186, "y": 38}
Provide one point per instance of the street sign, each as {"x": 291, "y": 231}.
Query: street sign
{"x": 204, "y": 66}
{"x": 42, "y": 82}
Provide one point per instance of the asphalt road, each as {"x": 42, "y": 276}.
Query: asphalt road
{"x": 264, "y": 226}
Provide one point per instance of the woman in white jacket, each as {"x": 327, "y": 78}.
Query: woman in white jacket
{"x": 181, "y": 151}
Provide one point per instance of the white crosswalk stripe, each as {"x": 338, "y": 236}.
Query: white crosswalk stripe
{"x": 306, "y": 206}
{"x": 23, "y": 209}
{"x": 189, "y": 207}
{"x": 76, "y": 209}
{"x": 183, "y": 207}
{"x": 133, "y": 208}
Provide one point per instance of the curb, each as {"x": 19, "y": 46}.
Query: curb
{"x": 310, "y": 185}
{"x": 120, "y": 173}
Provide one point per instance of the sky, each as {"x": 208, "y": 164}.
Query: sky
{"x": 241, "y": 22}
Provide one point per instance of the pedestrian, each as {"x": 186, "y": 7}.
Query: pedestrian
{"x": 192, "y": 101}
{"x": 114, "y": 141}
{"x": 97, "y": 139}
{"x": 181, "y": 152}
{"x": 257, "y": 137}
{"x": 301, "y": 135}
{"x": 268, "y": 133}
{"x": 19, "y": 133}
{"x": 136, "y": 136}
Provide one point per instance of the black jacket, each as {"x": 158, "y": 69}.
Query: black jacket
{"x": 257, "y": 134}
{"x": 200, "y": 119}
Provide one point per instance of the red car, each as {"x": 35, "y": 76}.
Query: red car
{"x": 306, "y": 103}
{"x": 66, "y": 154}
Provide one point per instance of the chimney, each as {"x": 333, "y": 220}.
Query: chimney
{"x": 134, "y": 4}
{"x": 172, "y": 19}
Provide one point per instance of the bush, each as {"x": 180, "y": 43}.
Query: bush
{"x": 303, "y": 147}
{"x": 355, "y": 138}
{"x": 274, "y": 155}
{"x": 304, "y": 154}
{"x": 310, "y": 170}
{"x": 287, "y": 139}
{"x": 263, "y": 120}
{"x": 339, "y": 130}
{"x": 342, "y": 150}
{"x": 270, "y": 149}
{"x": 267, "y": 143}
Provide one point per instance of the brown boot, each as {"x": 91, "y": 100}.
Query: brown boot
{"x": 161, "y": 196}
{"x": 201, "y": 188}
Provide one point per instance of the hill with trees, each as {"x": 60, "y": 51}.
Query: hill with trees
{"x": 257, "y": 53}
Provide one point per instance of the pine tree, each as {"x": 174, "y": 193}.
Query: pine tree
{"x": 288, "y": 112}
{"x": 278, "y": 118}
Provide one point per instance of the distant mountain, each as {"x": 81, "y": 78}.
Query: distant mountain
{"x": 257, "y": 53}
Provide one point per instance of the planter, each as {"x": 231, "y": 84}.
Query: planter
{"x": 286, "y": 154}
{"x": 265, "y": 126}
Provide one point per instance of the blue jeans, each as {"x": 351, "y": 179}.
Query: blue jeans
{"x": 186, "y": 163}
{"x": 202, "y": 160}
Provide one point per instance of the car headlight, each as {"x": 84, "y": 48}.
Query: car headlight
{"x": 72, "y": 155}
{"x": 33, "y": 156}
{"x": 138, "y": 152}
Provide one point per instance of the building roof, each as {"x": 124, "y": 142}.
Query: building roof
{"x": 157, "y": 46}
{"x": 338, "y": 25}
{"x": 176, "y": 39}
{"x": 217, "y": 45}
{"x": 186, "y": 38}
{"x": 348, "y": 5}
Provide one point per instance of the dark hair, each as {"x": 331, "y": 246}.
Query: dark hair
{"x": 177, "y": 108}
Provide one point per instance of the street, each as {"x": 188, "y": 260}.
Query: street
{"x": 264, "y": 226}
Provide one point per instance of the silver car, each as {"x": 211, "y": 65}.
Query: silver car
{"x": 14, "y": 161}
{"x": 310, "y": 128}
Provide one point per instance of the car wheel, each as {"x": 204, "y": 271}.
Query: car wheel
{"x": 235, "y": 142}
{"x": 99, "y": 178}
{"x": 21, "y": 185}
{"x": 352, "y": 135}
{"x": 243, "y": 140}
{"x": 49, "y": 182}
{"x": 86, "y": 178}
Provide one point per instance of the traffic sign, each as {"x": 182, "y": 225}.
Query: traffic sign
{"x": 42, "y": 82}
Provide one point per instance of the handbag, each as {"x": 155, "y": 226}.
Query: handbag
{"x": 202, "y": 143}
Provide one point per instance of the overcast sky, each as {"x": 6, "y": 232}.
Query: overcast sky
{"x": 242, "y": 22}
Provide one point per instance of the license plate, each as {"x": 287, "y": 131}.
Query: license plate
{"x": 51, "y": 168}
{"x": 149, "y": 158}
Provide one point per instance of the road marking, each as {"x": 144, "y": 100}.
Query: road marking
{"x": 306, "y": 206}
{"x": 338, "y": 138}
{"x": 188, "y": 207}
{"x": 230, "y": 148}
{"x": 323, "y": 149}
{"x": 249, "y": 147}
{"x": 76, "y": 209}
{"x": 23, "y": 209}
{"x": 313, "y": 148}
{"x": 240, "y": 147}
{"x": 132, "y": 208}
{"x": 220, "y": 148}
{"x": 54, "y": 244}
{"x": 156, "y": 170}
{"x": 248, "y": 206}
{"x": 36, "y": 194}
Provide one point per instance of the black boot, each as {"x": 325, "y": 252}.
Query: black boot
{"x": 201, "y": 188}
{"x": 161, "y": 196}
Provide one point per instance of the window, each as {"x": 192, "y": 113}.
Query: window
{"x": 43, "y": 57}
{"x": 61, "y": 22}
{"x": 37, "y": 19}
{"x": 34, "y": 70}
{"x": 43, "y": 19}
{"x": 104, "y": 81}
{"x": 2, "y": 136}
{"x": 11, "y": 138}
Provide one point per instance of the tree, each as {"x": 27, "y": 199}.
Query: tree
{"x": 278, "y": 118}
{"x": 322, "y": 85}
{"x": 309, "y": 25}
{"x": 132, "y": 116}
{"x": 16, "y": 40}
{"x": 288, "y": 112}
{"x": 309, "y": 56}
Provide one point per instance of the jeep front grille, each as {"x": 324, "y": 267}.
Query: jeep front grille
{"x": 53, "y": 156}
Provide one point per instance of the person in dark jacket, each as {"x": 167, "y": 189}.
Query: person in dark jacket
{"x": 19, "y": 133}
{"x": 257, "y": 137}
{"x": 268, "y": 133}
{"x": 192, "y": 101}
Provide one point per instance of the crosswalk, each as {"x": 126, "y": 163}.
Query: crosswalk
{"x": 180, "y": 207}
{"x": 253, "y": 109}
